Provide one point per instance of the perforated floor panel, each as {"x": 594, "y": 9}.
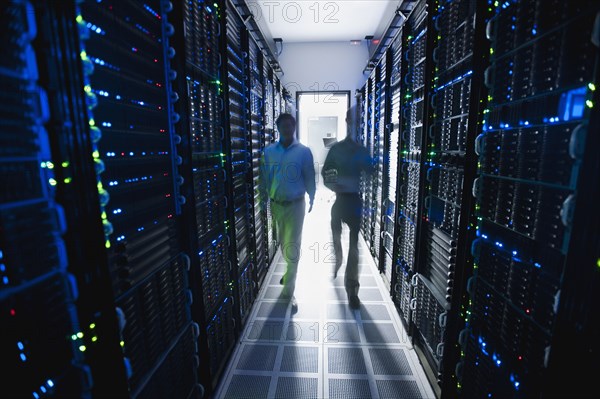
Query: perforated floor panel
{"x": 326, "y": 349}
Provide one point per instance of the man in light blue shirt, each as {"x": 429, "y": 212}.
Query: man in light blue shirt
{"x": 287, "y": 173}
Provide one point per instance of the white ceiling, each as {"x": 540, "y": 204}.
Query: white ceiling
{"x": 322, "y": 20}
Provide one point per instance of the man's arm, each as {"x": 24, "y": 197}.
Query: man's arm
{"x": 329, "y": 170}
{"x": 308, "y": 174}
{"x": 328, "y": 162}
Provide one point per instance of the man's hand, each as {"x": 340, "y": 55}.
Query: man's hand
{"x": 310, "y": 205}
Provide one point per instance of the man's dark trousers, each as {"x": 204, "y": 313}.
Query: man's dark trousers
{"x": 347, "y": 209}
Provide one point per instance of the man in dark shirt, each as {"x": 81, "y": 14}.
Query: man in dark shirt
{"x": 341, "y": 172}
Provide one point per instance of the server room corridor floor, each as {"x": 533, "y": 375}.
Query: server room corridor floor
{"x": 326, "y": 349}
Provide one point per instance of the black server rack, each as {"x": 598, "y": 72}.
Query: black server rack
{"x": 204, "y": 146}
{"x": 415, "y": 69}
{"x": 128, "y": 46}
{"x": 454, "y": 108}
{"x": 240, "y": 154}
{"x": 42, "y": 341}
{"x": 225, "y": 245}
{"x": 578, "y": 322}
{"x": 257, "y": 128}
{"x": 540, "y": 81}
{"x": 362, "y": 102}
{"x": 270, "y": 137}
{"x": 368, "y": 197}
{"x": 392, "y": 139}
{"x": 379, "y": 156}
{"x": 375, "y": 138}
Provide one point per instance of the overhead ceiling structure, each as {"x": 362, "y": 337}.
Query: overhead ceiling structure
{"x": 277, "y": 22}
{"x": 323, "y": 20}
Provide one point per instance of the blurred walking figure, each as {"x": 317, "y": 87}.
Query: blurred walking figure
{"x": 287, "y": 173}
{"x": 341, "y": 172}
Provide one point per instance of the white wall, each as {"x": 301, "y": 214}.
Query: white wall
{"x": 323, "y": 66}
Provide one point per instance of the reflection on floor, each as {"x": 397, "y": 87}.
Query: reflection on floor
{"x": 326, "y": 349}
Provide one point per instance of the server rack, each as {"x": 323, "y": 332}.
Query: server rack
{"x": 386, "y": 259}
{"x": 203, "y": 145}
{"x": 415, "y": 75}
{"x": 232, "y": 311}
{"x": 379, "y": 156}
{"x": 257, "y": 128}
{"x": 540, "y": 82}
{"x": 366, "y": 183}
{"x": 375, "y": 138}
{"x": 449, "y": 159}
{"x": 577, "y": 320}
{"x": 129, "y": 48}
{"x": 362, "y": 101}
{"x": 38, "y": 293}
{"x": 270, "y": 137}
{"x": 247, "y": 282}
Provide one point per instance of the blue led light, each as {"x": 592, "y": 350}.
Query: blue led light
{"x": 2, "y": 267}
{"x": 43, "y": 389}
{"x": 5, "y": 280}
{"x": 50, "y": 383}
{"x": 20, "y": 345}
{"x": 35, "y": 395}
{"x": 514, "y": 253}
{"x": 496, "y": 360}
{"x": 537, "y": 265}
{"x": 484, "y": 236}
{"x": 23, "y": 357}
{"x": 572, "y": 104}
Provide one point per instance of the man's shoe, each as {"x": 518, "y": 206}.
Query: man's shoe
{"x": 294, "y": 305}
{"x": 354, "y": 302}
{"x": 281, "y": 280}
